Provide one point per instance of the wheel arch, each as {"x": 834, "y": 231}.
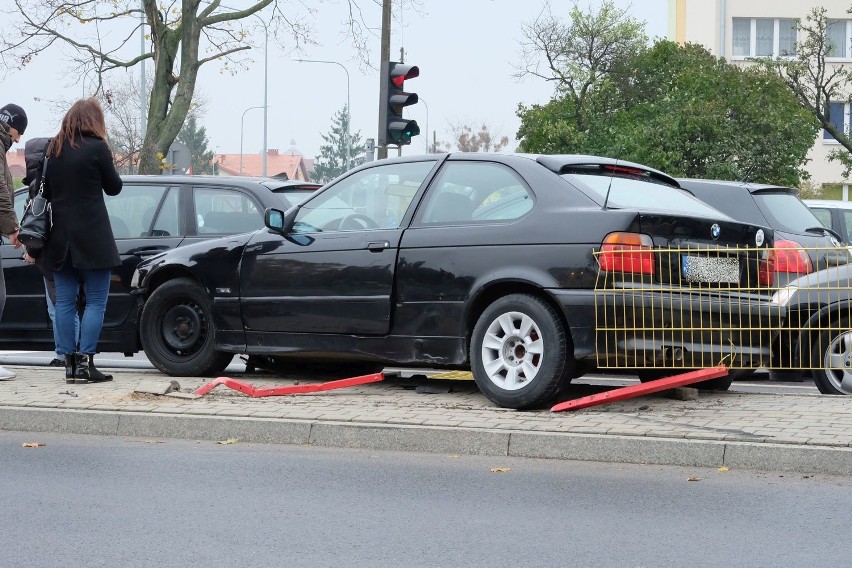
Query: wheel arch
{"x": 488, "y": 294}
{"x": 171, "y": 272}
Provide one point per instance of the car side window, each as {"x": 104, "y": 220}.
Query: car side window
{"x": 167, "y": 223}
{"x": 370, "y": 199}
{"x": 225, "y": 212}
{"x": 20, "y": 201}
{"x": 824, "y": 215}
{"x": 132, "y": 210}
{"x": 847, "y": 220}
{"x": 468, "y": 192}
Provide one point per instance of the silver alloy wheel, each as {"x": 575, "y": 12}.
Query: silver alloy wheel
{"x": 837, "y": 362}
{"x": 512, "y": 351}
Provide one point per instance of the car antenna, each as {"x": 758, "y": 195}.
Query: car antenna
{"x": 609, "y": 187}
{"x": 747, "y": 173}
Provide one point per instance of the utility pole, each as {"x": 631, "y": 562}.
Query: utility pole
{"x": 382, "y": 151}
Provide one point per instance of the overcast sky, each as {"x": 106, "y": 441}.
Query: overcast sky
{"x": 465, "y": 50}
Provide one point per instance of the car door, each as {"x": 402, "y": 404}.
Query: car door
{"x": 334, "y": 273}
{"x": 26, "y": 308}
{"x": 146, "y": 219}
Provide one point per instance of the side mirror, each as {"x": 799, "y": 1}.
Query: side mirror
{"x": 279, "y": 221}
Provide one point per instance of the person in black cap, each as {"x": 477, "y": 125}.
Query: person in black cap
{"x": 13, "y": 122}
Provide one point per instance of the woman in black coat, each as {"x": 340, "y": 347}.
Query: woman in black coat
{"x": 81, "y": 247}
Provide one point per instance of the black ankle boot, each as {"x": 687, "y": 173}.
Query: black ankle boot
{"x": 81, "y": 372}
{"x": 70, "y": 368}
{"x": 96, "y": 376}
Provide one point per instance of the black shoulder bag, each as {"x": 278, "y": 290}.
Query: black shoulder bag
{"x": 37, "y": 219}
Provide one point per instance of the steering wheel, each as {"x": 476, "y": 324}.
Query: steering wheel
{"x": 357, "y": 222}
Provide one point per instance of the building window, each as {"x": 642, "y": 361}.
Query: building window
{"x": 839, "y": 117}
{"x": 763, "y": 37}
{"x": 838, "y": 33}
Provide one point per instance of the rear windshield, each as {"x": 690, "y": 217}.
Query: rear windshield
{"x": 627, "y": 193}
{"x": 786, "y": 212}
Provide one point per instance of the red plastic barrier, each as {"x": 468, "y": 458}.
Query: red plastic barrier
{"x": 632, "y": 391}
{"x": 256, "y": 392}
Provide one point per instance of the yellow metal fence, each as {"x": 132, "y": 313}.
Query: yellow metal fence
{"x": 697, "y": 307}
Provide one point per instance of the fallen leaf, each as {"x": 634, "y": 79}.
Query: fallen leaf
{"x": 724, "y": 468}
{"x": 33, "y": 444}
{"x": 455, "y": 456}
{"x": 694, "y": 479}
{"x": 228, "y": 441}
{"x": 500, "y": 469}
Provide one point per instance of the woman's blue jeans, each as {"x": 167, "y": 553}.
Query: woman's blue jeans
{"x": 51, "y": 313}
{"x": 96, "y": 285}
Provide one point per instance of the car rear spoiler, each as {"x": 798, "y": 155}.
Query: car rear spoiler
{"x": 566, "y": 164}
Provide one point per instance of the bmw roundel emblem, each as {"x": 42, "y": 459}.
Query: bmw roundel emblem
{"x": 715, "y": 230}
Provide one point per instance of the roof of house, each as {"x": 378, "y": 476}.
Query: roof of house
{"x": 291, "y": 164}
{"x": 15, "y": 160}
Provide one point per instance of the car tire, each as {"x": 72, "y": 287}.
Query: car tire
{"x": 177, "y": 330}
{"x": 516, "y": 336}
{"x": 717, "y": 384}
{"x": 834, "y": 344}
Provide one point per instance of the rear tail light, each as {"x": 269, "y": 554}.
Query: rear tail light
{"x": 786, "y": 256}
{"x": 627, "y": 252}
{"x": 766, "y": 270}
{"x": 790, "y": 256}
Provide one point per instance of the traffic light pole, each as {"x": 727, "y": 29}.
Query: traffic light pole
{"x": 382, "y": 151}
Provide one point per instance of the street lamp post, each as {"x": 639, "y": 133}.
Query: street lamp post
{"x": 265, "y": 87}
{"x": 265, "y": 90}
{"x": 242, "y": 123}
{"x": 348, "y": 108}
{"x": 422, "y": 100}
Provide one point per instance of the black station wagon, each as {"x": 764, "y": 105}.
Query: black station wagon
{"x": 488, "y": 262}
{"x": 152, "y": 214}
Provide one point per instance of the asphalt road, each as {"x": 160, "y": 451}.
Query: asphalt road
{"x": 759, "y": 383}
{"x": 92, "y": 501}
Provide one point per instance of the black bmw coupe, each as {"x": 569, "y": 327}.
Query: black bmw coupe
{"x": 489, "y": 262}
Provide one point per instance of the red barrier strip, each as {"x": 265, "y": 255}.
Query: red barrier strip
{"x": 632, "y": 391}
{"x": 256, "y": 392}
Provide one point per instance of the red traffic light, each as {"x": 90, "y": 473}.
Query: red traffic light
{"x": 399, "y": 73}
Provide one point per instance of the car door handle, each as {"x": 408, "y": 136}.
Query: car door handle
{"x": 378, "y": 246}
{"x": 148, "y": 251}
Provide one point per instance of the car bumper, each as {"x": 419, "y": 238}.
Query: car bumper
{"x": 670, "y": 329}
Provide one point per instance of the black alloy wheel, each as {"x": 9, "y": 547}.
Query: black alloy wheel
{"x": 520, "y": 353}
{"x": 177, "y": 330}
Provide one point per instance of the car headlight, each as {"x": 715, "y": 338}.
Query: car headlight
{"x": 783, "y": 296}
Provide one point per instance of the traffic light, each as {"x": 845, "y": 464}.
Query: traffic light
{"x": 394, "y": 129}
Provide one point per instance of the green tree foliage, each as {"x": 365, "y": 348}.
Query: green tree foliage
{"x": 684, "y": 111}
{"x": 195, "y": 139}
{"x": 331, "y": 161}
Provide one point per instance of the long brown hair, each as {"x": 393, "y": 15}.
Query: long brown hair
{"x": 84, "y": 117}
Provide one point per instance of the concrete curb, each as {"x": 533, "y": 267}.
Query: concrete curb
{"x": 437, "y": 439}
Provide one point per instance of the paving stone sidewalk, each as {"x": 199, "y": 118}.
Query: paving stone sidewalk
{"x": 757, "y": 431}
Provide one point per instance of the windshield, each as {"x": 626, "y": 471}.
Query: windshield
{"x": 626, "y": 193}
{"x": 291, "y": 197}
{"x": 786, "y": 212}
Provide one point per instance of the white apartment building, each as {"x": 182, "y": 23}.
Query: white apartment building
{"x": 738, "y": 29}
